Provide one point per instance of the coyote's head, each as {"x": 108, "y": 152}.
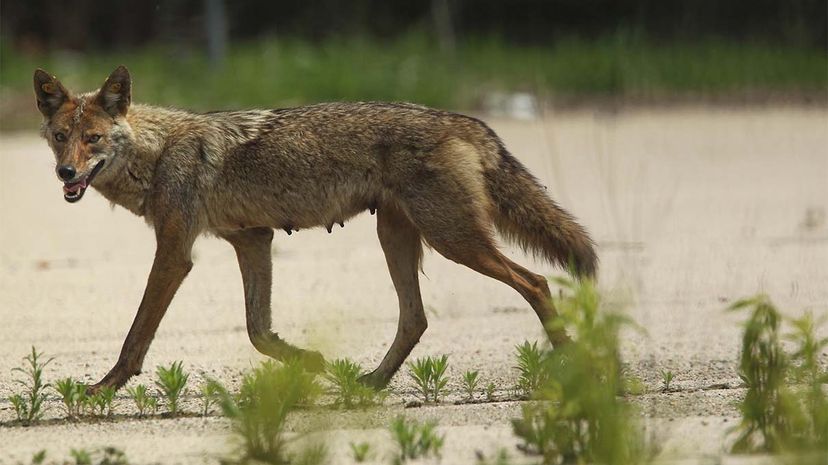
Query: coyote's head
{"x": 86, "y": 131}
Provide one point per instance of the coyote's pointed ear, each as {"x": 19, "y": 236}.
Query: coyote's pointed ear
{"x": 49, "y": 92}
{"x": 116, "y": 93}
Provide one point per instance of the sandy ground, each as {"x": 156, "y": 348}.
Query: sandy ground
{"x": 692, "y": 208}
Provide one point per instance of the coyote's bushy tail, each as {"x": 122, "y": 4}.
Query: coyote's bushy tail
{"x": 524, "y": 214}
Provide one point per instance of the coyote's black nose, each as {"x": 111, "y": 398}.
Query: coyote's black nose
{"x": 66, "y": 172}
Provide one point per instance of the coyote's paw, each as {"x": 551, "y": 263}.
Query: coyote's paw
{"x": 374, "y": 380}
{"x": 93, "y": 389}
{"x": 116, "y": 378}
{"x": 312, "y": 360}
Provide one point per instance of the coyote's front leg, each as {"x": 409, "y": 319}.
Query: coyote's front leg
{"x": 253, "y": 250}
{"x": 171, "y": 265}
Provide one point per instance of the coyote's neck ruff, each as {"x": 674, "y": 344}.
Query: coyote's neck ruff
{"x": 433, "y": 176}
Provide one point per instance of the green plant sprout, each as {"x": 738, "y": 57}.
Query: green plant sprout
{"x": 666, "y": 379}
{"x": 349, "y": 392}
{"x": 360, "y": 452}
{"x": 73, "y": 395}
{"x": 470, "y": 381}
{"x": 143, "y": 401}
{"x": 415, "y": 440}
{"x": 530, "y": 366}
{"x": 490, "y": 390}
{"x": 776, "y": 418}
{"x": 28, "y": 406}
{"x": 102, "y": 400}
{"x": 267, "y": 395}
{"x": 172, "y": 381}
{"x": 209, "y": 396}
{"x": 429, "y": 375}
{"x": 581, "y": 419}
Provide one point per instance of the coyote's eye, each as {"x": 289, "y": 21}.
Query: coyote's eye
{"x": 94, "y": 138}
{"x": 60, "y": 137}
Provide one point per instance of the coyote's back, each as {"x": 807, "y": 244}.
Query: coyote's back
{"x": 332, "y": 161}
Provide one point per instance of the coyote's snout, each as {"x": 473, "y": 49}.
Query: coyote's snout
{"x": 431, "y": 176}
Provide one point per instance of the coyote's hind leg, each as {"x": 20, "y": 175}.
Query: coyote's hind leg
{"x": 469, "y": 241}
{"x": 253, "y": 251}
{"x": 483, "y": 257}
{"x": 403, "y": 250}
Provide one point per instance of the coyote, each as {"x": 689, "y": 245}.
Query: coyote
{"x": 430, "y": 176}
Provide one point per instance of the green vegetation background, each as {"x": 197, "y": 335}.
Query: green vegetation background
{"x": 286, "y": 72}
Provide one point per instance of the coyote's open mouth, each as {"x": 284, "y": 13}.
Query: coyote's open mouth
{"x": 73, "y": 191}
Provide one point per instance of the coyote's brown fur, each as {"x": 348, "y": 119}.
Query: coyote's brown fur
{"x": 432, "y": 176}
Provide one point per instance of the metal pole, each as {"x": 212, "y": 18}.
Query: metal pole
{"x": 216, "y": 29}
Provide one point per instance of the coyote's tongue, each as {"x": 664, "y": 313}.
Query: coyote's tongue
{"x": 74, "y": 187}
{"x": 72, "y": 192}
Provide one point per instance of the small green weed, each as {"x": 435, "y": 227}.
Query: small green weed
{"x": 470, "y": 383}
{"x": 762, "y": 366}
{"x": 582, "y": 421}
{"x": 666, "y": 379}
{"x": 28, "y": 406}
{"x": 813, "y": 433}
{"x": 310, "y": 454}
{"x": 209, "y": 396}
{"x": 429, "y": 375}
{"x": 172, "y": 381}
{"x": 103, "y": 456}
{"x": 268, "y": 394}
{"x": 19, "y": 404}
{"x": 415, "y": 440}
{"x": 501, "y": 458}
{"x": 633, "y": 385}
{"x": 143, "y": 401}
{"x": 530, "y": 365}
{"x": 81, "y": 456}
{"x": 112, "y": 456}
{"x": 101, "y": 401}
{"x": 73, "y": 395}
{"x": 776, "y": 418}
{"x": 344, "y": 375}
{"x": 490, "y": 390}
{"x": 360, "y": 452}
{"x": 39, "y": 457}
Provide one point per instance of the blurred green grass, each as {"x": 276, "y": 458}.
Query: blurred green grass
{"x": 285, "y": 72}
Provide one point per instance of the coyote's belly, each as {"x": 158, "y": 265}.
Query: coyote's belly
{"x": 292, "y": 201}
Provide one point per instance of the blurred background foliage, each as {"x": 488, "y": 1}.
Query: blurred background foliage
{"x": 457, "y": 54}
